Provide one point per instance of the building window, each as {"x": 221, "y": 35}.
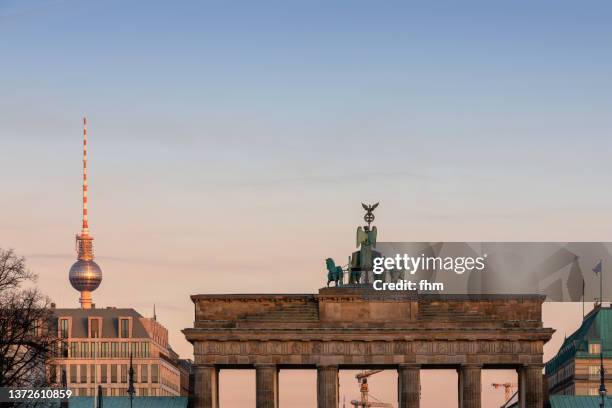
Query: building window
{"x": 124, "y": 349}
{"x": 104, "y": 350}
{"x": 593, "y": 391}
{"x": 73, "y": 373}
{"x": 115, "y": 349}
{"x": 144, "y": 373}
{"x": 123, "y": 373}
{"x": 154, "y": 373}
{"x": 124, "y": 328}
{"x": 83, "y": 373}
{"x": 94, "y": 328}
{"x": 113, "y": 373}
{"x": 85, "y": 350}
{"x": 82, "y": 392}
{"x": 64, "y": 328}
{"x": 144, "y": 392}
{"x": 52, "y": 374}
{"x": 74, "y": 349}
{"x": 63, "y": 374}
{"x": 92, "y": 373}
{"x": 134, "y": 349}
{"x": 594, "y": 348}
{"x": 135, "y": 368}
{"x": 144, "y": 347}
{"x": 103, "y": 373}
{"x": 64, "y": 347}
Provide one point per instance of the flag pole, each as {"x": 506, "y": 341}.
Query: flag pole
{"x": 601, "y": 285}
{"x": 583, "y": 298}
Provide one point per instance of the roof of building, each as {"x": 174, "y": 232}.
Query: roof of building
{"x": 570, "y": 401}
{"x": 110, "y": 317}
{"x": 185, "y": 364}
{"x": 595, "y": 328}
{"x": 124, "y": 402}
{"x": 577, "y": 401}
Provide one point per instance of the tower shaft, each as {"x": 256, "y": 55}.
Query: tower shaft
{"x": 84, "y": 241}
{"x": 85, "y": 228}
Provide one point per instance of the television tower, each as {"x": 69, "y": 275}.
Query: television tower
{"x": 85, "y": 275}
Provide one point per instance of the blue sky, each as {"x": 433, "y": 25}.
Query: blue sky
{"x": 236, "y": 139}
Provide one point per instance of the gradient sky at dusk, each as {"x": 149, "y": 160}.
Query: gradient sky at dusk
{"x": 230, "y": 142}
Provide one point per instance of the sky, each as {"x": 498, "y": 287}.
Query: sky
{"x": 231, "y": 142}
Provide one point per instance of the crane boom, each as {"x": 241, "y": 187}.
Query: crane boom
{"x": 366, "y": 374}
{"x": 508, "y": 388}
{"x": 356, "y": 403}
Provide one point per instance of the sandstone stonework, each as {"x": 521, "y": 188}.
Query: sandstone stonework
{"x": 360, "y": 328}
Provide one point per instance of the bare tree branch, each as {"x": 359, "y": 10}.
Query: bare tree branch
{"x": 27, "y": 330}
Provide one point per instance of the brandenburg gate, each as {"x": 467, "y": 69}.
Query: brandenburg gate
{"x": 360, "y": 328}
{"x": 353, "y": 326}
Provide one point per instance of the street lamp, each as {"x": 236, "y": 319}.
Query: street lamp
{"x": 64, "y": 380}
{"x": 131, "y": 391}
{"x": 602, "y": 384}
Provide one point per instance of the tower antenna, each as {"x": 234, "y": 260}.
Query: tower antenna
{"x": 85, "y": 228}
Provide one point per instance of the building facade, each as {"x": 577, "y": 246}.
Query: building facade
{"x": 95, "y": 348}
{"x": 575, "y": 370}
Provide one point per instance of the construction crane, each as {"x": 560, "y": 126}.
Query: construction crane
{"x": 367, "y": 400}
{"x": 508, "y": 389}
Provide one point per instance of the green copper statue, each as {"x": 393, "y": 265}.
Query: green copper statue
{"x": 360, "y": 261}
{"x": 334, "y": 273}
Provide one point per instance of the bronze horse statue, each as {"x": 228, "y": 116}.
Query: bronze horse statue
{"x": 334, "y": 273}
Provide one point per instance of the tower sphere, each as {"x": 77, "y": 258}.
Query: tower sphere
{"x": 85, "y": 276}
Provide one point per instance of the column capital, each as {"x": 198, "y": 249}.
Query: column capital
{"x": 203, "y": 366}
{"x": 409, "y": 366}
{"x": 265, "y": 365}
{"x": 327, "y": 366}
{"x": 533, "y": 365}
{"x": 470, "y": 365}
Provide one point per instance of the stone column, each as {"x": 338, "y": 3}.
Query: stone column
{"x": 206, "y": 386}
{"x": 266, "y": 389}
{"x": 530, "y": 386}
{"x": 409, "y": 385}
{"x": 469, "y": 386}
{"x": 327, "y": 387}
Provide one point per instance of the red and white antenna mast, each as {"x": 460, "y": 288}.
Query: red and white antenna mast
{"x": 84, "y": 242}
{"x": 85, "y": 228}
